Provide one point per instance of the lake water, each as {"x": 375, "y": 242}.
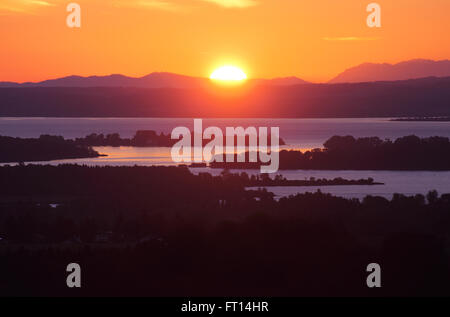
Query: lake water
{"x": 297, "y": 133}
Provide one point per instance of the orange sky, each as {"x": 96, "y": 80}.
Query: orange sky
{"x": 311, "y": 39}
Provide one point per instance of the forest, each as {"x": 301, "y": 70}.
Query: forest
{"x": 166, "y": 231}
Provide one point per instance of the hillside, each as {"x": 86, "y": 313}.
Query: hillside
{"x": 412, "y": 98}
{"x": 417, "y": 68}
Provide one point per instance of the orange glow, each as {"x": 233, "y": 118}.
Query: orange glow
{"x": 313, "y": 40}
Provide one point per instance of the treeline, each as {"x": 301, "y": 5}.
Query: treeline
{"x": 279, "y": 180}
{"x": 370, "y": 153}
{"x": 149, "y": 138}
{"x": 142, "y": 138}
{"x": 155, "y": 231}
{"x": 44, "y": 148}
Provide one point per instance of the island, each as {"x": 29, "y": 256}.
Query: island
{"x": 422, "y": 119}
{"x": 264, "y": 180}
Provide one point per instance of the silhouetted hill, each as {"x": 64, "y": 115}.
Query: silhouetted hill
{"x": 411, "y": 98}
{"x": 417, "y": 68}
{"x": 153, "y": 80}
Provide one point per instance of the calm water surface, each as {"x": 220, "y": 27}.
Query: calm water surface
{"x": 298, "y": 133}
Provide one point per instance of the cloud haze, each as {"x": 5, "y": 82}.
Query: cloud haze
{"x": 234, "y": 3}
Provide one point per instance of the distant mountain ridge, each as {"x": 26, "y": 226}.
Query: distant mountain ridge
{"x": 366, "y": 72}
{"x": 426, "y": 97}
{"x": 153, "y": 80}
{"x": 413, "y": 69}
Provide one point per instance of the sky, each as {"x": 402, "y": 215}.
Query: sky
{"x": 312, "y": 39}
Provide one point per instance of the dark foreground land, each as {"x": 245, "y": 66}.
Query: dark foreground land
{"x": 155, "y": 231}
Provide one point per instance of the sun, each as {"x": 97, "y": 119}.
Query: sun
{"x": 228, "y": 74}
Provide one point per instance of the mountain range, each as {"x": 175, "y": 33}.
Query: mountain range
{"x": 367, "y": 72}
{"x": 153, "y": 80}
{"x": 417, "y": 68}
{"x": 425, "y": 97}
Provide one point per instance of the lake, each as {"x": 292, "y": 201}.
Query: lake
{"x": 297, "y": 133}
